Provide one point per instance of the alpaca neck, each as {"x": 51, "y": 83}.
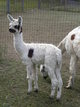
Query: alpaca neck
{"x": 19, "y": 43}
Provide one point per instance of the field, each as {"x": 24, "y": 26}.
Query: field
{"x": 38, "y": 26}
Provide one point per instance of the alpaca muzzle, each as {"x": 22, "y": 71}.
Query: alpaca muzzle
{"x": 12, "y": 30}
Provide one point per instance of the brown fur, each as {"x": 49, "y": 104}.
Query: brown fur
{"x": 73, "y": 37}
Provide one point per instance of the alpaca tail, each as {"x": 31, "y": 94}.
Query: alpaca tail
{"x": 62, "y": 45}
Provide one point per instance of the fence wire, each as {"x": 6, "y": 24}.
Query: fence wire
{"x": 44, "y": 21}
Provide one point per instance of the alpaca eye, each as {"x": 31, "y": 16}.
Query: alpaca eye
{"x": 16, "y": 26}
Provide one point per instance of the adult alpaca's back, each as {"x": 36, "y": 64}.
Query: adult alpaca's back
{"x": 71, "y": 45}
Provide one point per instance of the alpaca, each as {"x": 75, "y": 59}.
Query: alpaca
{"x": 71, "y": 44}
{"x": 35, "y": 54}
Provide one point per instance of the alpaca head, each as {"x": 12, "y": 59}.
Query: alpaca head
{"x": 44, "y": 71}
{"x": 15, "y": 25}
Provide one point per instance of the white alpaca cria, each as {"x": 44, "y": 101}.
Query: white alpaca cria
{"x": 71, "y": 44}
{"x": 34, "y": 54}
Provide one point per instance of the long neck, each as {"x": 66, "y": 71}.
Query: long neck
{"x": 19, "y": 43}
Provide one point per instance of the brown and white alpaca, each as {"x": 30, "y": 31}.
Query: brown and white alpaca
{"x": 71, "y": 44}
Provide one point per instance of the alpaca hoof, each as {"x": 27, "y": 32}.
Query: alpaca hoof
{"x": 36, "y": 90}
{"x": 68, "y": 87}
{"x": 57, "y": 99}
{"x": 51, "y": 97}
{"x": 28, "y": 93}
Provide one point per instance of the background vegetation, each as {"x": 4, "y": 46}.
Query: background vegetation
{"x": 64, "y": 5}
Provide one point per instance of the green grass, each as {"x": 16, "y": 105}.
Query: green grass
{"x": 28, "y": 4}
{"x": 31, "y": 4}
{"x": 13, "y": 89}
{"x": 2, "y": 5}
{"x": 13, "y": 83}
{"x": 69, "y": 8}
{"x": 17, "y": 6}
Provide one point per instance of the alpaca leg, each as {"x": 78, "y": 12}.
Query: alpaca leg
{"x": 29, "y": 85}
{"x": 36, "y": 79}
{"x": 53, "y": 82}
{"x": 60, "y": 83}
{"x": 29, "y": 77}
{"x": 53, "y": 87}
{"x": 73, "y": 61}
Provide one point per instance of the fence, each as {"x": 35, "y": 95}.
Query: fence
{"x": 51, "y": 4}
{"x": 43, "y": 21}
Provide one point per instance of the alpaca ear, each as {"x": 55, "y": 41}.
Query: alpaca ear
{"x": 20, "y": 20}
{"x": 10, "y": 17}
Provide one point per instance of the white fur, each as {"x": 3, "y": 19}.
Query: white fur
{"x": 73, "y": 49}
{"x": 46, "y": 54}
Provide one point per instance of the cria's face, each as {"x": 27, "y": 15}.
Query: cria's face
{"x": 15, "y": 24}
{"x": 44, "y": 71}
{"x": 45, "y": 74}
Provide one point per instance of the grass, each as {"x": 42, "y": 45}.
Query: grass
{"x": 13, "y": 89}
{"x": 2, "y": 5}
{"x": 69, "y": 8}
{"x": 31, "y": 4}
{"x": 13, "y": 83}
{"x": 17, "y": 6}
